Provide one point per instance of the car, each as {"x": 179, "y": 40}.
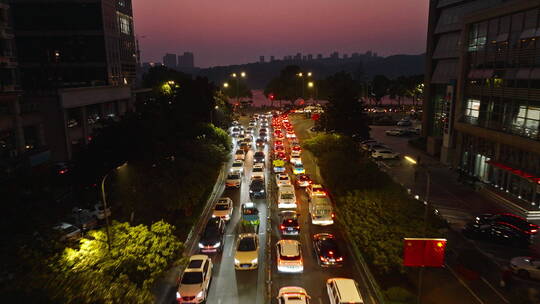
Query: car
{"x": 260, "y": 142}
{"x": 396, "y": 132}
{"x": 235, "y": 123}
{"x": 404, "y": 123}
{"x": 315, "y": 190}
{"x": 249, "y": 130}
{"x": 279, "y": 149}
{"x": 278, "y": 143}
{"x": 296, "y": 148}
{"x": 289, "y": 223}
{"x": 286, "y": 197}
{"x": 240, "y": 154}
{"x": 263, "y": 130}
{"x": 289, "y": 256}
{"x": 343, "y": 290}
{"x": 100, "y": 212}
{"x": 291, "y": 134}
{"x": 257, "y": 172}
{"x": 241, "y": 136}
{"x": 303, "y": 180}
{"x": 327, "y": 250}
{"x": 518, "y": 222}
{"x": 247, "y": 252}
{"x": 293, "y": 295}
{"x": 257, "y": 189}
{"x": 245, "y": 146}
{"x": 298, "y": 168}
{"x": 279, "y": 135}
{"x": 283, "y": 179}
{"x": 498, "y": 232}
{"x": 223, "y": 208}
{"x": 195, "y": 281}
{"x": 235, "y": 132}
{"x": 295, "y": 153}
{"x": 258, "y": 157}
{"x": 281, "y": 155}
{"x": 212, "y": 237}
{"x": 295, "y": 159}
{"x": 368, "y": 141}
{"x": 83, "y": 218}
{"x": 237, "y": 167}
{"x": 234, "y": 180}
{"x": 384, "y": 154}
{"x": 526, "y": 267}
{"x": 68, "y": 232}
{"x": 263, "y": 136}
{"x": 321, "y": 211}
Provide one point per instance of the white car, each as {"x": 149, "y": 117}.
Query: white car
{"x": 240, "y": 155}
{"x": 283, "y": 179}
{"x": 384, "y": 154}
{"x": 223, "y": 208}
{"x": 247, "y": 252}
{"x": 286, "y": 197}
{"x": 526, "y": 267}
{"x": 257, "y": 171}
{"x": 234, "y": 180}
{"x": 295, "y": 153}
{"x": 395, "y": 132}
{"x": 289, "y": 256}
{"x": 237, "y": 167}
{"x": 296, "y": 159}
{"x": 343, "y": 290}
{"x": 315, "y": 190}
{"x": 195, "y": 280}
{"x": 293, "y": 295}
{"x": 101, "y": 212}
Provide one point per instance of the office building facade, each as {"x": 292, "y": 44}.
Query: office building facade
{"x": 186, "y": 60}
{"x": 169, "y": 60}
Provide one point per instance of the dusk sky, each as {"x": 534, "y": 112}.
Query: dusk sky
{"x": 239, "y": 31}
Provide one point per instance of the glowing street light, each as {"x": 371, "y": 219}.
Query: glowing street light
{"x": 233, "y": 75}
{"x": 300, "y": 74}
{"x": 243, "y": 74}
{"x": 310, "y": 84}
{"x": 309, "y": 74}
{"x": 226, "y": 85}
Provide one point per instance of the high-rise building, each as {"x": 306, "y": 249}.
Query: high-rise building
{"x": 482, "y": 95}
{"x": 169, "y": 60}
{"x": 272, "y": 59}
{"x": 261, "y": 59}
{"x": 78, "y": 62}
{"x": 186, "y": 61}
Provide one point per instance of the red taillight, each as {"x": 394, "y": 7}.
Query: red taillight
{"x": 330, "y": 252}
{"x": 333, "y": 215}
{"x": 62, "y": 171}
{"x": 339, "y": 259}
{"x": 289, "y": 221}
{"x": 297, "y": 227}
{"x": 534, "y": 230}
{"x": 281, "y": 227}
{"x": 323, "y": 259}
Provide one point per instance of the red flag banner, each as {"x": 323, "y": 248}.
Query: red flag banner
{"x": 423, "y": 252}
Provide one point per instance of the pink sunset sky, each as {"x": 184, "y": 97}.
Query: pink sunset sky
{"x": 239, "y": 31}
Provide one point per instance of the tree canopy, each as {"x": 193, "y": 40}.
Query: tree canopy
{"x": 290, "y": 85}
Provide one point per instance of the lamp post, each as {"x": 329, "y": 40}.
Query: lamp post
{"x": 311, "y": 85}
{"x": 237, "y": 80}
{"x": 104, "y": 202}
{"x": 417, "y": 164}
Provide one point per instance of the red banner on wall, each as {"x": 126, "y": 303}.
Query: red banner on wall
{"x": 423, "y": 252}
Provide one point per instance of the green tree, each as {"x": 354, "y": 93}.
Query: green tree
{"x": 289, "y": 85}
{"x": 379, "y": 85}
{"x": 237, "y": 88}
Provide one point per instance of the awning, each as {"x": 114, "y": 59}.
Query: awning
{"x": 528, "y": 33}
{"x": 517, "y": 172}
{"x": 523, "y": 73}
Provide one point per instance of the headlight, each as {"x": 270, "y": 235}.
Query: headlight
{"x": 262, "y": 190}
{"x": 200, "y": 294}
{"x": 250, "y": 191}
{"x": 254, "y": 261}
{"x": 213, "y": 215}
{"x": 217, "y": 245}
{"x": 236, "y": 261}
{"x": 201, "y": 245}
{"x": 178, "y": 296}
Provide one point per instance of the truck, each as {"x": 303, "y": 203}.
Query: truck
{"x": 321, "y": 211}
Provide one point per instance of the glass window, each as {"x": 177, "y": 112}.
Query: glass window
{"x": 125, "y": 24}
{"x": 473, "y": 108}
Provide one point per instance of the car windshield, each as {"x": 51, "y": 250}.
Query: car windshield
{"x": 240, "y": 151}
{"x": 251, "y": 211}
{"x": 247, "y": 244}
{"x": 287, "y": 196}
{"x": 222, "y": 207}
{"x": 234, "y": 176}
{"x": 258, "y": 170}
{"x": 237, "y": 165}
{"x": 192, "y": 278}
{"x": 283, "y": 178}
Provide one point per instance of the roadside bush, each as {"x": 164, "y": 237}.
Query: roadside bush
{"x": 399, "y": 295}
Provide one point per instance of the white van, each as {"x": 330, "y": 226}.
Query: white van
{"x": 320, "y": 209}
{"x": 342, "y": 290}
{"x": 286, "y": 197}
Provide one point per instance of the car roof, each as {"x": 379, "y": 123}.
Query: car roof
{"x": 196, "y": 262}
{"x": 348, "y": 290}
{"x": 289, "y": 247}
{"x": 286, "y": 188}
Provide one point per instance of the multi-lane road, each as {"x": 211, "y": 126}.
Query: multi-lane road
{"x": 262, "y": 285}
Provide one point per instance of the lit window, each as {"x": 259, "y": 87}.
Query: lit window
{"x": 125, "y": 26}
{"x": 473, "y": 108}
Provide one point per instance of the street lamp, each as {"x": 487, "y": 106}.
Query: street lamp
{"x": 226, "y": 85}
{"x": 243, "y": 74}
{"x": 416, "y": 163}
{"x": 104, "y": 199}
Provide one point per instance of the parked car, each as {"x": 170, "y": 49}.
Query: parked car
{"x": 234, "y": 180}
{"x": 384, "y": 154}
{"x": 223, "y": 208}
{"x": 289, "y": 223}
{"x": 289, "y": 256}
{"x": 257, "y": 189}
{"x": 195, "y": 280}
{"x": 327, "y": 250}
{"x": 404, "y": 123}
{"x": 396, "y": 132}
{"x": 212, "y": 238}
{"x": 526, "y": 267}
{"x": 498, "y": 232}
{"x": 293, "y": 295}
{"x": 247, "y": 252}
{"x": 68, "y": 232}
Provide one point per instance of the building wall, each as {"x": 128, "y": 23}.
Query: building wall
{"x": 498, "y": 99}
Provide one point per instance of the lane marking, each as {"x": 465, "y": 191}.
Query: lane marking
{"x": 496, "y": 291}
{"x": 230, "y": 249}
{"x": 464, "y": 284}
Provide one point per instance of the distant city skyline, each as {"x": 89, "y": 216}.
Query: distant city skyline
{"x": 243, "y": 30}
